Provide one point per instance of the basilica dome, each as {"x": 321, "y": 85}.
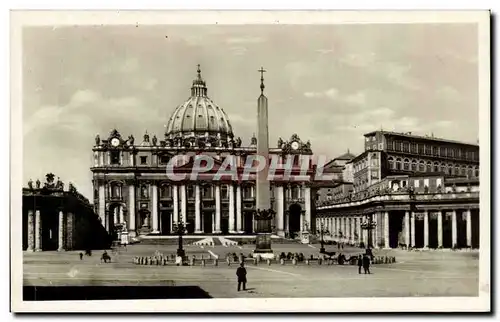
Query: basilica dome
{"x": 199, "y": 121}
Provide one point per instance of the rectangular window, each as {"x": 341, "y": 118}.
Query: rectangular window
{"x": 144, "y": 160}
{"x": 406, "y": 147}
{"x": 413, "y": 147}
{"x": 164, "y": 159}
{"x": 115, "y": 157}
{"x": 417, "y": 183}
{"x": 426, "y": 182}
{"x": 421, "y": 148}
{"x": 390, "y": 145}
{"x": 428, "y": 149}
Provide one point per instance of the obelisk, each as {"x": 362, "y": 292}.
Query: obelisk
{"x": 264, "y": 213}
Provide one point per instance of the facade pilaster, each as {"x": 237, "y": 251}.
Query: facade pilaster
{"x": 239, "y": 215}
{"x": 131, "y": 206}
{"x": 175, "y": 193}
{"x": 31, "y": 231}
{"x": 426, "y": 229}
{"x": 61, "y": 232}
{"x": 38, "y": 231}
{"x": 412, "y": 229}
{"x": 281, "y": 211}
{"x": 387, "y": 243}
{"x": 232, "y": 218}
{"x": 217, "y": 210}
{"x": 440, "y": 228}
{"x": 468, "y": 229}
{"x": 407, "y": 228}
{"x": 155, "y": 225}
{"x": 197, "y": 210}
{"x": 454, "y": 228}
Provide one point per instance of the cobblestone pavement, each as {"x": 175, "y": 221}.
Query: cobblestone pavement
{"x": 427, "y": 273}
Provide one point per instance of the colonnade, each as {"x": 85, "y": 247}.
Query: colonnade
{"x": 387, "y": 232}
{"x": 35, "y": 232}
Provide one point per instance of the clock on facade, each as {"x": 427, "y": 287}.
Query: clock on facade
{"x": 295, "y": 145}
{"x": 115, "y": 142}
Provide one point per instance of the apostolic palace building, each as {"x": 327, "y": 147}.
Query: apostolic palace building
{"x": 132, "y": 190}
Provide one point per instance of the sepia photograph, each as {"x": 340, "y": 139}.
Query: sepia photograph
{"x": 299, "y": 161}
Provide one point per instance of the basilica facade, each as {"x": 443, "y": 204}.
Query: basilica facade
{"x": 133, "y": 192}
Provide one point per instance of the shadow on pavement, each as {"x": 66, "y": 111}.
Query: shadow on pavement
{"x": 82, "y": 293}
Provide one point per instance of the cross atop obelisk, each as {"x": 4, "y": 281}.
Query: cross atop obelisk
{"x": 262, "y": 71}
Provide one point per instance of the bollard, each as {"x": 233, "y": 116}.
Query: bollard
{"x": 216, "y": 262}
{"x": 268, "y": 262}
{"x": 320, "y": 261}
{"x": 228, "y": 260}
{"x": 191, "y": 262}
{"x": 282, "y": 261}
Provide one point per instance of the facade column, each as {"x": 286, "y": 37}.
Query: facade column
{"x": 239, "y": 216}
{"x": 468, "y": 228}
{"x": 302, "y": 228}
{"x": 175, "y": 215}
{"x": 102, "y": 205}
{"x": 155, "y": 209}
{"x": 38, "y": 231}
{"x": 453, "y": 228}
{"x": 426, "y": 229}
{"x": 197, "y": 210}
{"x": 131, "y": 210}
{"x": 308, "y": 206}
{"x": 280, "y": 200}
{"x": 31, "y": 231}
{"x": 122, "y": 218}
{"x": 183, "y": 216}
{"x": 61, "y": 232}
{"x": 344, "y": 229}
{"x": 115, "y": 216}
{"x": 412, "y": 227}
{"x": 232, "y": 219}
{"x": 407, "y": 229}
{"x": 360, "y": 231}
{"x": 353, "y": 230}
{"x": 387, "y": 243}
{"x": 375, "y": 234}
{"x": 217, "y": 209}
{"x": 440, "y": 228}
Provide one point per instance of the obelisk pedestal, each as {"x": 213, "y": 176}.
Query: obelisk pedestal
{"x": 264, "y": 214}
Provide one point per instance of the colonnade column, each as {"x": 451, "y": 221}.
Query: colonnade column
{"x": 412, "y": 228}
{"x": 453, "y": 228}
{"x": 102, "y": 206}
{"x": 183, "y": 216}
{"x": 468, "y": 228}
{"x": 175, "y": 216}
{"x": 440, "y": 228}
{"x": 281, "y": 211}
{"x": 155, "y": 209}
{"x": 426, "y": 229}
{"x": 387, "y": 243}
{"x": 407, "y": 228}
{"x": 197, "y": 210}
{"x": 31, "y": 231}
{"x": 239, "y": 216}
{"x": 232, "y": 221}
{"x": 131, "y": 207}
{"x": 360, "y": 231}
{"x": 38, "y": 231}
{"x": 307, "y": 202}
{"x": 61, "y": 232}
{"x": 217, "y": 210}
{"x": 353, "y": 230}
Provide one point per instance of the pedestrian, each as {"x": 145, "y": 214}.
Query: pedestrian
{"x": 360, "y": 263}
{"x": 241, "y": 272}
{"x": 366, "y": 264}
{"x": 81, "y": 256}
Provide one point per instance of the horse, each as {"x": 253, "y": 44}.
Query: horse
{"x": 105, "y": 257}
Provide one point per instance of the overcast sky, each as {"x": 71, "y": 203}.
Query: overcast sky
{"x": 328, "y": 84}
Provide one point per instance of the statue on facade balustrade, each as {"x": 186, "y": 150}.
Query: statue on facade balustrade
{"x": 59, "y": 184}
{"x": 30, "y": 184}
{"x": 280, "y": 142}
{"x": 37, "y": 183}
{"x": 307, "y": 146}
{"x": 146, "y": 137}
{"x": 49, "y": 180}
{"x": 131, "y": 139}
{"x": 238, "y": 142}
{"x": 97, "y": 140}
{"x": 155, "y": 140}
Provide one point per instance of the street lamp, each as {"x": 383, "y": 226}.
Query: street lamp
{"x": 322, "y": 241}
{"x": 179, "y": 228}
{"x": 369, "y": 226}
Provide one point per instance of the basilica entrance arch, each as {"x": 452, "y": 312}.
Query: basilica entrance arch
{"x": 294, "y": 213}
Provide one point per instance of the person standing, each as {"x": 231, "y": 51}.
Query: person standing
{"x": 360, "y": 263}
{"x": 241, "y": 272}
{"x": 366, "y": 264}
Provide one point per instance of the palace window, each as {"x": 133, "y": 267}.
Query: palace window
{"x": 115, "y": 157}
{"x": 413, "y": 147}
{"x": 398, "y": 164}
{"x": 144, "y": 191}
{"x": 435, "y": 150}
{"x": 165, "y": 191}
{"x": 469, "y": 172}
{"x": 406, "y": 147}
{"x": 398, "y": 146}
{"x": 443, "y": 168}
{"x": 391, "y": 163}
{"x": 464, "y": 171}
{"x": 457, "y": 170}
{"x": 144, "y": 160}
{"x": 115, "y": 190}
{"x": 390, "y": 145}
{"x": 421, "y": 166}
{"x": 164, "y": 159}
{"x": 247, "y": 192}
{"x": 421, "y": 148}
{"x": 476, "y": 172}
{"x": 413, "y": 165}
{"x": 450, "y": 169}
{"x": 436, "y": 167}
{"x": 429, "y": 166}
{"x": 406, "y": 165}
{"x": 428, "y": 149}
{"x": 295, "y": 192}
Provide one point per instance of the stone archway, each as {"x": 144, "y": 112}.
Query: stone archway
{"x": 294, "y": 213}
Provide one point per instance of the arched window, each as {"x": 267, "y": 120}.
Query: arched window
{"x": 413, "y": 165}
{"x": 450, "y": 169}
{"x": 443, "y": 168}
{"x": 429, "y": 166}
{"x": 391, "y": 163}
{"x": 464, "y": 171}
{"x": 406, "y": 165}
{"x": 398, "y": 164}
{"x": 115, "y": 190}
{"x": 476, "y": 172}
{"x": 421, "y": 166}
{"x": 469, "y": 172}
{"x": 436, "y": 167}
